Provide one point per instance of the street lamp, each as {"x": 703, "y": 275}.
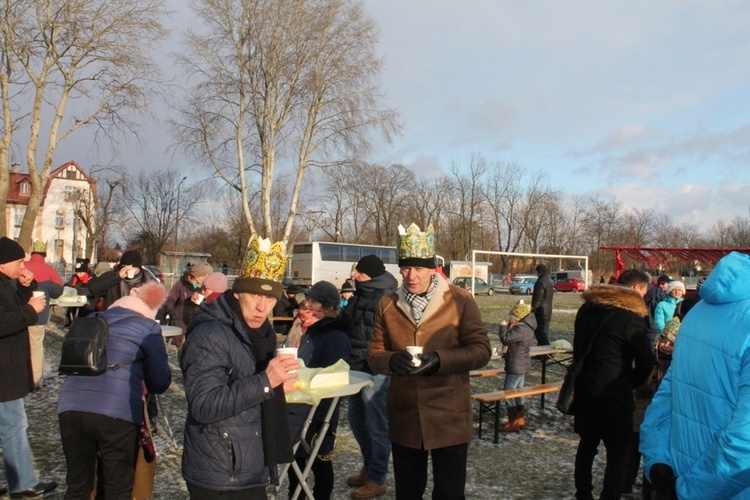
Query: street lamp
{"x": 310, "y": 220}
{"x": 177, "y": 216}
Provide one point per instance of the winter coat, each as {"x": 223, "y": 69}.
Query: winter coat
{"x": 223, "y": 445}
{"x": 541, "y": 298}
{"x": 110, "y": 287}
{"x": 518, "y": 340}
{"x": 47, "y": 281}
{"x": 178, "y": 303}
{"x": 362, "y": 306}
{"x": 324, "y": 343}
{"x": 117, "y": 393}
{"x": 433, "y": 411}
{"x": 16, "y": 315}
{"x": 665, "y": 311}
{"x": 620, "y": 359}
{"x": 699, "y": 420}
{"x": 284, "y": 307}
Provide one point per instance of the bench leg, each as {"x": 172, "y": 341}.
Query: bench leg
{"x": 481, "y": 412}
{"x": 497, "y": 423}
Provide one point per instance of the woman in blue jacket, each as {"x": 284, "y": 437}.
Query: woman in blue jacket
{"x": 100, "y": 416}
{"x": 697, "y": 428}
{"x": 665, "y": 310}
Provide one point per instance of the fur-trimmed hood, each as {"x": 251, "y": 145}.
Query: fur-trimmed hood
{"x": 616, "y": 296}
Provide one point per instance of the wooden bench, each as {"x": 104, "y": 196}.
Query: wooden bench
{"x": 489, "y": 402}
{"x": 490, "y": 372}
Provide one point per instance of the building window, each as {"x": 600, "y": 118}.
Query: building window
{"x": 18, "y": 214}
{"x": 60, "y": 220}
{"x": 59, "y": 248}
{"x": 25, "y": 188}
{"x": 71, "y": 193}
{"x": 70, "y": 174}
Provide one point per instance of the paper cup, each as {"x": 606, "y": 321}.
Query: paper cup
{"x": 130, "y": 274}
{"x": 37, "y": 293}
{"x": 414, "y": 350}
{"x": 287, "y": 350}
{"x": 199, "y": 298}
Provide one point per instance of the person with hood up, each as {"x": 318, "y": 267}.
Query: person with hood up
{"x": 695, "y": 438}
{"x": 100, "y": 416}
{"x": 516, "y": 335}
{"x": 324, "y": 343}
{"x": 541, "y": 304}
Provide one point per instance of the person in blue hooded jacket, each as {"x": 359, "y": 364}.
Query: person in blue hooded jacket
{"x": 695, "y": 438}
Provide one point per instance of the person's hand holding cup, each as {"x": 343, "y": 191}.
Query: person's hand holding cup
{"x": 197, "y": 298}
{"x": 38, "y": 301}
{"x": 415, "y": 350}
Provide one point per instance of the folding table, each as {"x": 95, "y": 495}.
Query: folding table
{"x": 357, "y": 381}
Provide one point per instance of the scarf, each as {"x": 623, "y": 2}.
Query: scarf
{"x": 419, "y": 301}
{"x": 277, "y": 441}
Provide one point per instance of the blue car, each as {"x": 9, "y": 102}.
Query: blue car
{"x": 524, "y": 286}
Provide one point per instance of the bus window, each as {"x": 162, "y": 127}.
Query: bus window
{"x": 330, "y": 252}
{"x": 301, "y": 248}
{"x": 387, "y": 255}
{"x": 351, "y": 254}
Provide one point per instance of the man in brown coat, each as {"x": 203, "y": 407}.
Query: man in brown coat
{"x": 429, "y": 400}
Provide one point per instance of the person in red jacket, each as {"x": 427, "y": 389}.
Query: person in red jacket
{"x": 49, "y": 282}
{"x": 79, "y": 281}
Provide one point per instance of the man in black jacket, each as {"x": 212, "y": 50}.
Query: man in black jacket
{"x": 541, "y": 304}
{"x": 368, "y": 414}
{"x": 613, "y": 324}
{"x": 18, "y": 311}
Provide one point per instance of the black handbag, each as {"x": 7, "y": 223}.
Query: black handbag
{"x": 565, "y": 398}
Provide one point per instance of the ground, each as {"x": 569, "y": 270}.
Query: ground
{"x": 536, "y": 463}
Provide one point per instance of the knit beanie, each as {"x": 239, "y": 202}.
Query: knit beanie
{"x": 348, "y": 287}
{"x": 131, "y": 258}
{"x": 81, "y": 266}
{"x": 371, "y": 265}
{"x": 10, "y": 250}
{"x": 325, "y": 293}
{"x": 201, "y": 270}
{"x": 542, "y": 269}
{"x": 663, "y": 279}
{"x": 216, "y": 282}
{"x": 145, "y": 300}
{"x": 673, "y": 285}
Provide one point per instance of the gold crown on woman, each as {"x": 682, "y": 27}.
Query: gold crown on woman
{"x": 39, "y": 246}
{"x": 264, "y": 260}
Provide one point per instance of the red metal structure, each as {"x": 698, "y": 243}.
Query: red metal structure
{"x": 660, "y": 257}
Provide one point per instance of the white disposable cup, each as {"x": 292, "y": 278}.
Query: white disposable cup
{"x": 199, "y": 298}
{"x": 131, "y": 273}
{"x": 287, "y": 350}
{"x": 414, "y": 350}
{"x": 37, "y": 293}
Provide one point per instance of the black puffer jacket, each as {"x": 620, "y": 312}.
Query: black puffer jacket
{"x": 361, "y": 308}
{"x": 111, "y": 287}
{"x": 620, "y": 359}
{"x": 223, "y": 444}
{"x": 16, "y": 316}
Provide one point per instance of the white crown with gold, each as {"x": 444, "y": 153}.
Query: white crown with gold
{"x": 416, "y": 248}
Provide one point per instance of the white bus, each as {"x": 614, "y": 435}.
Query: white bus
{"x": 327, "y": 261}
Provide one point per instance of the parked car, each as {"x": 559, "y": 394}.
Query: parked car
{"x": 570, "y": 285}
{"x": 481, "y": 287}
{"x": 524, "y": 286}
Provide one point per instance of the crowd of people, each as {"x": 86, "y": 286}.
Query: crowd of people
{"x": 639, "y": 391}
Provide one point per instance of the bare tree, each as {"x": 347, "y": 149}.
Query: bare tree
{"x": 158, "y": 205}
{"x": 56, "y": 53}
{"x": 293, "y": 82}
{"x": 386, "y": 199}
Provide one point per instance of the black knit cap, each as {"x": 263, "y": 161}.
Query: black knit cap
{"x": 131, "y": 258}
{"x": 542, "y": 269}
{"x": 325, "y": 293}
{"x": 371, "y": 265}
{"x": 10, "y": 250}
{"x": 663, "y": 279}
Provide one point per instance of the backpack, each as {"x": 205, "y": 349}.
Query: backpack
{"x": 84, "y": 350}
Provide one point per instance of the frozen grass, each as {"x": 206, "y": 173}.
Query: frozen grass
{"x": 534, "y": 464}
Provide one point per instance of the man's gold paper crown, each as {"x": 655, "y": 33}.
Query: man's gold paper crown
{"x": 414, "y": 244}
{"x": 264, "y": 260}
{"x": 39, "y": 246}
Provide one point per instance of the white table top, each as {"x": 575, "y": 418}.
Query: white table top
{"x": 170, "y": 331}
{"x": 65, "y": 303}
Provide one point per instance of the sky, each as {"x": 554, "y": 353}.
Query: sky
{"x": 646, "y": 102}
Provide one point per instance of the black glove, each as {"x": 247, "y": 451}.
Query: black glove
{"x": 401, "y": 363}
{"x": 663, "y": 482}
{"x": 430, "y": 364}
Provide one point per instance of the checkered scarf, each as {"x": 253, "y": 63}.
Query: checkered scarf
{"x": 418, "y": 302}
